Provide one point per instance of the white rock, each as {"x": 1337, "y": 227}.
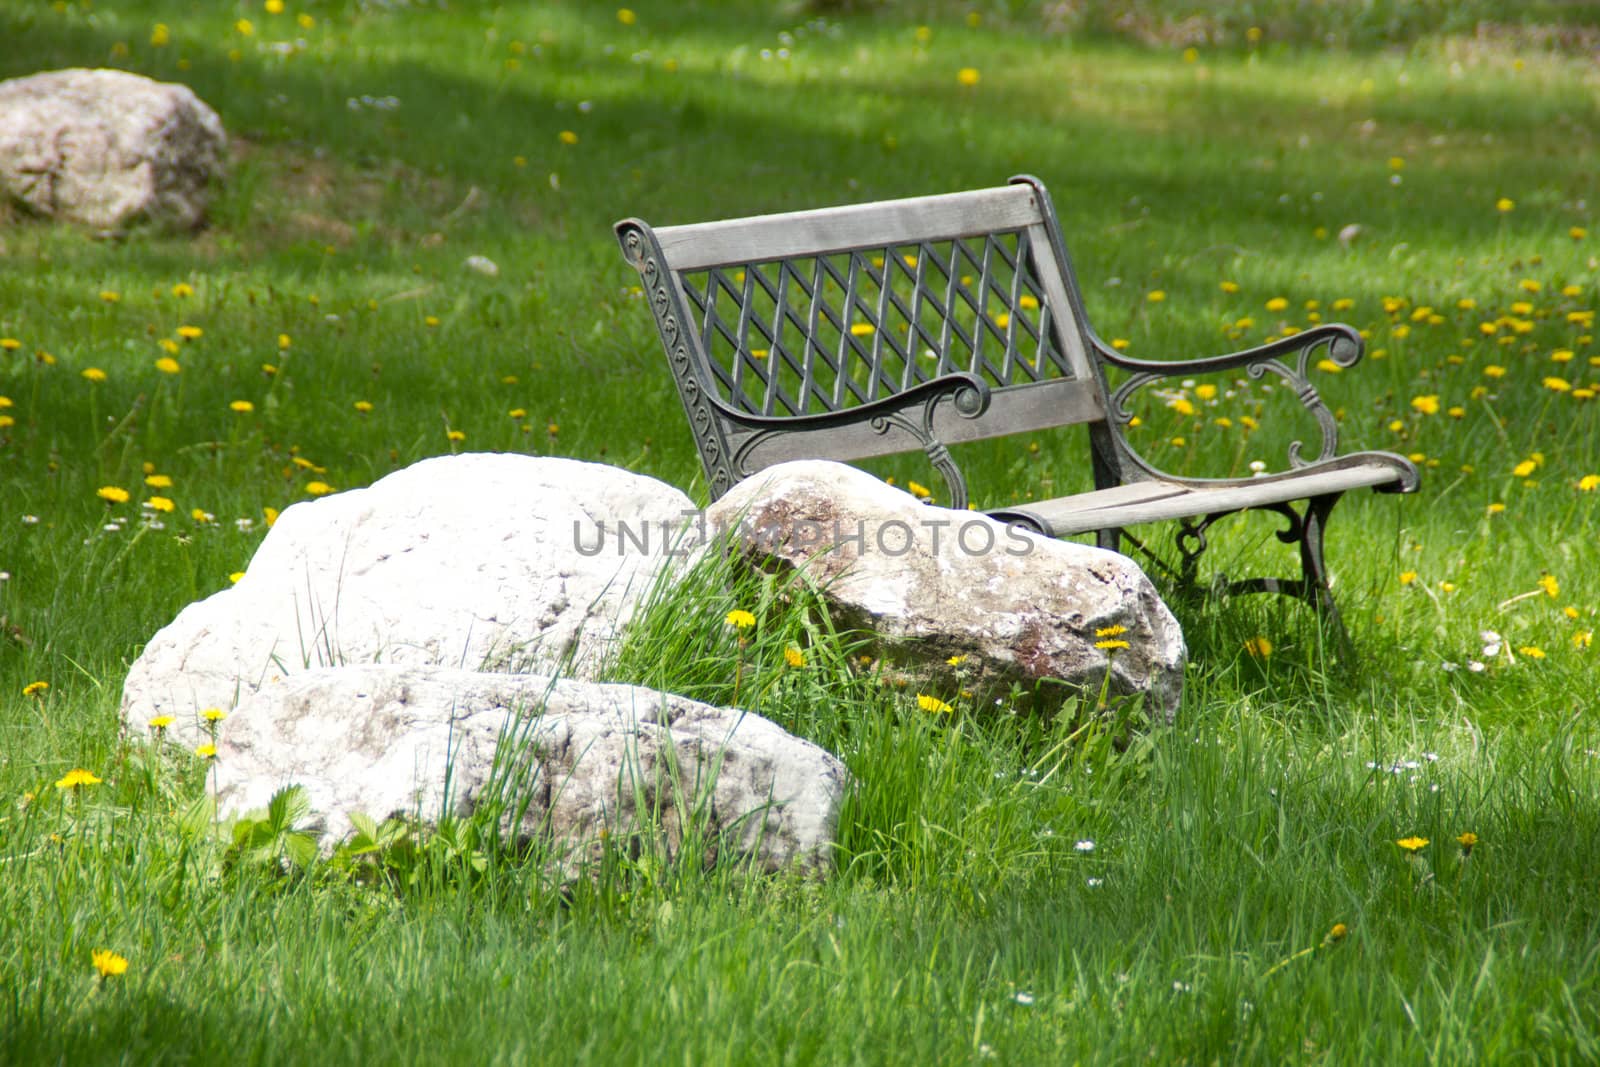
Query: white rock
{"x": 106, "y": 148}
{"x": 483, "y": 265}
{"x": 376, "y": 740}
{"x": 485, "y": 561}
{"x": 937, "y": 584}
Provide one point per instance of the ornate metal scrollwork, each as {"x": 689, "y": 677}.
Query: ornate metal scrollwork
{"x": 646, "y": 257}
{"x": 1343, "y": 349}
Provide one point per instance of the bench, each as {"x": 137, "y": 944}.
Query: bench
{"x": 861, "y": 331}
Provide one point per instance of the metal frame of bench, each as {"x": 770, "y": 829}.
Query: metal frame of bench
{"x": 872, "y": 329}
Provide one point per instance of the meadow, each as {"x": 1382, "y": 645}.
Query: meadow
{"x": 1390, "y": 857}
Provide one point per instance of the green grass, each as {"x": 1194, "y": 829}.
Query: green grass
{"x": 964, "y": 922}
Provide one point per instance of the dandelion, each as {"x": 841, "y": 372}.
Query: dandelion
{"x": 1114, "y": 630}
{"x": 455, "y": 436}
{"x": 1577, "y": 233}
{"x": 626, "y": 16}
{"x": 168, "y": 365}
{"x": 160, "y": 503}
{"x": 1582, "y": 639}
{"x": 76, "y": 778}
{"x": 1525, "y": 468}
{"x": 1111, "y": 644}
{"x": 93, "y": 374}
{"x": 273, "y": 7}
{"x": 1181, "y": 406}
{"x": 110, "y": 296}
{"x": 1505, "y": 204}
{"x": 114, "y": 494}
{"x": 956, "y": 661}
{"x": 316, "y": 489}
{"x": 213, "y": 715}
{"x": 1258, "y": 647}
{"x": 794, "y": 657}
{"x": 9, "y": 344}
{"x": 244, "y": 28}
{"x": 1532, "y": 651}
{"x": 921, "y": 492}
{"x": 967, "y": 76}
{"x": 933, "y": 704}
{"x": 190, "y": 333}
{"x": 363, "y": 406}
{"x": 518, "y": 413}
{"x": 1413, "y": 844}
{"x": 739, "y": 619}
{"x": 305, "y": 21}
{"x": 1155, "y": 296}
{"x": 1277, "y": 303}
{"x": 243, "y": 407}
{"x": 1548, "y": 583}
{"x": 1428, "y": 405}
{"x": 1467, "y": 841}
{"x": 108, "y": 963}
{"x": 1557, "y": 385}
{"x": 160, "y": 723}
{"x": 862, "y": 329}
{"x": 207, "y": 751}
{"x": 568, "y": 137}
{"x": 236, "y": 577}
{"x": 1589, "y": 483}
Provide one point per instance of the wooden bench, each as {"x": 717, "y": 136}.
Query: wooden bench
{"x": 873, "y": 329}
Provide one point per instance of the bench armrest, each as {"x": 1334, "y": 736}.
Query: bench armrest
{"x": 1290, "y": 358}
{"x": 967, "y": 392}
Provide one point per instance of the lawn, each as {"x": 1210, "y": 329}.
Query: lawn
{"x": 1009, "y": 888}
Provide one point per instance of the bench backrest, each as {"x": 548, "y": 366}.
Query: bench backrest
{"x": 821, "y": 311}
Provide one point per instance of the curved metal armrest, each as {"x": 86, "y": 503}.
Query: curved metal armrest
{"x": 968, "y": 392}
{"x": 1344, "y": 343}
{"x": 1344, "y": 347}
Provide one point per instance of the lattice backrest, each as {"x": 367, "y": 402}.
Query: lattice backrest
{"x": 827, "y": 310}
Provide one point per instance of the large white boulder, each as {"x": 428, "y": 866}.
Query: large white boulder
{"x": 587, "y": 758}
{"x": 936, "y": 585}
{"x": 485, "y": 561}
{"x": 106, "y": 148}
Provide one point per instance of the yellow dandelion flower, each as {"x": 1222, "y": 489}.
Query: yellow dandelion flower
{"x": 626, "y": 16}
{"x": 739, "y": 619}
{"x": 243, "y": 407}
{"x": 967, "y": 76}
{"x": 77, "y": 777}
{"x": 1191, "y": 54}
{"x": 1532, "y": 651}
{"x": 113, "y": 493}
{"x": 794, "y": 657}
{"x": 108, "y": 963}
{"x": 1111, "y": 644}
{"x": 160, "y": 503}
{"x": 1428, "y": 405}
{"x": 1582, "y": 639}
{"x": 1550, "y": 585}
{"x": 168, "y": 365}
{"x": 182, "y": 289}
{"x": 933, "y": 704}
{"x": 956, "y": 661}
{"x": 1206, "y": 392}
{"x": 1589, "y": 483}
{"x": 1259, "y": 647}
{"x": 1155, "y": 296}
{"x": 161, "y": 722}
{"x": 318, "y": 489}
{"x": 430, "y": 321}
{"x": 1028, "y": 302}
{"x": 270, "y": 516}
{"x": 1120, "y": 344}
{"x": 518, "y": 413}
{"x": 363, "y": 406}
{"x": 1495, "y": 508}
{"x": 1413, "y": 844}
{"x": 273, "y": 7}
{"x": 1557, "y": 385}
{"x": 190, "y": 333}
{"x": 456, "y": 435}
{"x": 9, "y": 344}
{"x": 921, "y": 492}
{"x": 33, "y": 689}
{"x": 1181, "y": 406}
{"x": 160, "y": 35}
{"x": 568, "y": 137}
{"x": 93, "y": 374}
{"x": 1467, "y": 840}
{"x": 202, "y": 516}
{"x": 235, "y": 577}
{"x": 1338, "y": 932}
{"x": 1277, "y": 303}
{"x": 110, "y": 296}
{"x": 1525, "y": 468}
{"x": 244, "y": 28}
{"x": 1577, "y": 233}
{"x": 862, "y": 329}
{"x": 1505, "y": 204}
{"x": 213, "y": 715}
{"x": 206, "y": 751}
